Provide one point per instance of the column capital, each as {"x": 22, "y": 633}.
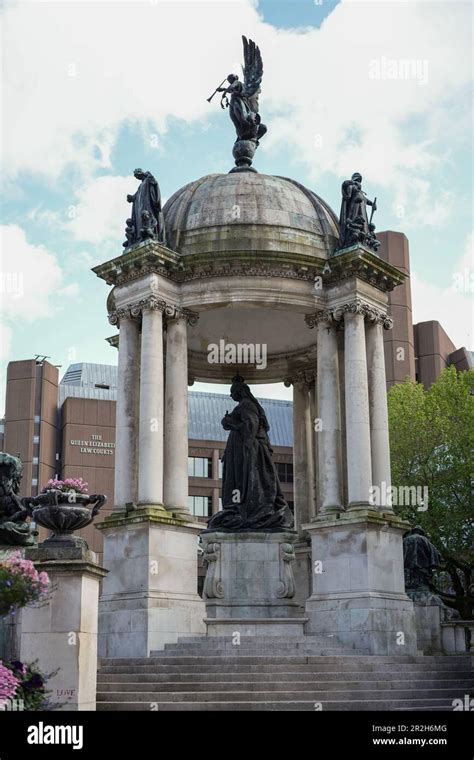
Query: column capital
{"x": 307, "y": 377}
{"x": 152, "y": 303}
{"x": 334, "y": 316}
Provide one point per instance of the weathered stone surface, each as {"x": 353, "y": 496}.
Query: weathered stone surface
{"x": 150, "y": 596}
{"x": 358, "y": 584}
{"x": 63, "y": 632}
{"x": 249, "y": 586}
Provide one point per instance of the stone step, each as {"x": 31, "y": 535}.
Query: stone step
{"x": 239, "y": 668}
{"x": 362, "y": 660}
{"x": 246, "y": 685}
{"x": 423, "y": 678}
{"x": 317, "y": 695}
{"x": 437, "y": 704}
{"x": 315, "y": 651}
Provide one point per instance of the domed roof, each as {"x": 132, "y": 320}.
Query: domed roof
{"x": 246, "y": 211}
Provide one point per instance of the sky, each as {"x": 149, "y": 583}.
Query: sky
{"x": 92, "y": 90}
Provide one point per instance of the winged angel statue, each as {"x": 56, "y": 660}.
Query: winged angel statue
{"x": 243, "y": 106}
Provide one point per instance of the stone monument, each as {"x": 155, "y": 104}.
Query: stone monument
{"x": 254, "y": 259}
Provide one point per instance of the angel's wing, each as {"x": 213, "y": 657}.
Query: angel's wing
{"x": 253, "y": 72}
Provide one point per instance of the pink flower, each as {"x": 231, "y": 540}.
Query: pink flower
{"x": 8, "y": 683}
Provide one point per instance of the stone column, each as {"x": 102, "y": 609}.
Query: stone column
{"x": 359, "y": 465}
{"x": 150, "y": 469}
{"x": 313, "y": 407}
{"x": 176, "y": 416}
{"x": 300, "y": 453}
{"x": 125, "y": 487}
{"x": 309, "y": 433}
{"x": 328, "y": 427}
{"x": 379, "y": 437}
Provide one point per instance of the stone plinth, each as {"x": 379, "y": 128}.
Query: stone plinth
{"x": 63, "y": 632}
{"x": 249, "y": 586}
{"x": 358, "y": 583}
{"x": 150, "y": 597}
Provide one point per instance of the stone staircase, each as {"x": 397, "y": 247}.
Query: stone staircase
{"x": 306, "y": 673}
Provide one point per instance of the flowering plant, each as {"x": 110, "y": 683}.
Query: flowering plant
{"x": 24, "y": 684}
{"x": 20, "y": 583}
{"x": 77, "y": 485}
{"x": 8, "y": 683}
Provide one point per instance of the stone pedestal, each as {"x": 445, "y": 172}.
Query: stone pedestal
{"x": 150, "y": 597}
{"x": 249, "y": 586}
{"x": 63, "y": 633}
{"x": 358, "y": 583}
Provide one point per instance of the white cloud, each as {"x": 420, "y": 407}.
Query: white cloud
{"x": 101, "y": 209}
{"x": 31, "y": 280}
{"x": 80, "y": 71}
{"x": 451, "y": 306}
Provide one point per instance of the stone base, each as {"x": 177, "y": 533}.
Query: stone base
{"x": 358, "y": 583}
{"x": 302, "y": 568}
{"x": 249, "y": 586}
{"x": 63, "y": 632}
{"x": 150, "y": 596}
{"x": 428, "y": 628}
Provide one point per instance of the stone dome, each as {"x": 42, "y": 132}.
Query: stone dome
{"x": 241, "y": 212}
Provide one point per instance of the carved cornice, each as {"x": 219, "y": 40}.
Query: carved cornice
{"x": 305, "y": 376}
{"x": 334, "y": 316}
{"x": 169, "y": 311}
{"x": 361, "y": 262}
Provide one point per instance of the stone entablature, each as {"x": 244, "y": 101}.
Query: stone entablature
{"x": 152, "y": 258}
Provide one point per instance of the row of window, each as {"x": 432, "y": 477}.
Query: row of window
{"x": 201, "y": 467}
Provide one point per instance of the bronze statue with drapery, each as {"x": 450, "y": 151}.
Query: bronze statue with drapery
{"x": 251, "y": 492}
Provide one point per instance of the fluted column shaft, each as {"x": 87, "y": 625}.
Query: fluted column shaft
{"x": 300, "y": 453}
{"x": 150, "y": 470}
{"x": 359, "y": 465}
{"x": 176, "y": 416}
{"x": 127, "y": 414}
{"x": 379, "y": 434}
{"x": 328, "y": 423}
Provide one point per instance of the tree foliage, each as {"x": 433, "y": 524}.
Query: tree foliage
{"x": 432, "y": 443}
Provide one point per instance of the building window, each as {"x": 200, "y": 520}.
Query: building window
{"x": 34, "y": 482}
{"x": 221, "y": 468}
{"x": 200, "y": 467}
{"x": 36, "y": 439}
{"x": 200, "y": 506}
{"x": 35, "y": 460}
{"x": 37, "y": 418}
{"x": 285, "y": 471}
